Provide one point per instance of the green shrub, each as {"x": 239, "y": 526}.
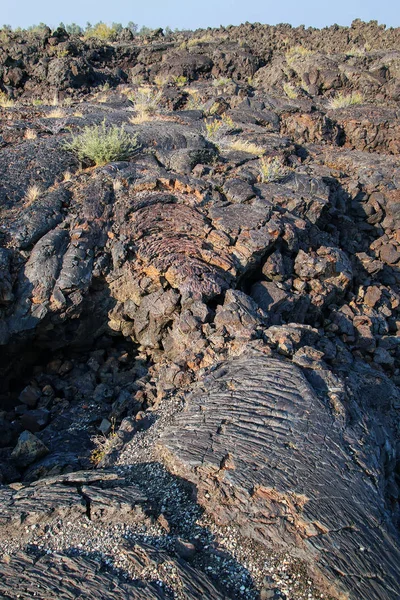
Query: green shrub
{"x": 101, "y": 31}
{"x": 102, "y": 144}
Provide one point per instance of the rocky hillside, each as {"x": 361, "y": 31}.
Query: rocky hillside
{"x": 199, "y": 314}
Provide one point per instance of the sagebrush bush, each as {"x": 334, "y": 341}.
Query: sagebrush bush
{"x": 102, "y": 144}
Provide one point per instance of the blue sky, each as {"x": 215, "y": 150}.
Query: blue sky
{"x": 200, "y": 13}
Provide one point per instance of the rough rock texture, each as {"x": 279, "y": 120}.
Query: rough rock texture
{"x": 267, "y": 454}
{"x": 199, "y": 345}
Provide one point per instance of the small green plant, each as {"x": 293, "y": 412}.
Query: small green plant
{"x": 344, "y": 100}
{"x": 103, "y": 445}
{"x": 5, "y": 101}
{"x": 271, "y": 169}
{"x": 62, "y": 53}
{"x": 102, "y": 144}
{"x": 213, "y": 129}
{"x": 37, "y": 102}
{"x": 228, "y": 122}
{"x": 221, "y": 82}
{"x": 218, "y": 128}
{"x": 194, "y": 102}
{"x": 180, "y": 81}
{"x": 289, "y": 91}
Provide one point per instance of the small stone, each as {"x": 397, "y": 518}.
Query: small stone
{"x": 389, "y": 254}
{"x": 184, "y": 549}
{"x": 30, "y": 396}
{"x": 35, "y": 420}
{"x": 372, "y": 296}
{"x": 28, "y": 449}
{"x": 382, "y": 357}
{"x": 105, "y": 427}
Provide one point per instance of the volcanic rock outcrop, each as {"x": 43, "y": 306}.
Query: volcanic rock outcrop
{"x": 199, "y": 342}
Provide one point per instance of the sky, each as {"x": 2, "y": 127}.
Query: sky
{"x": 189, "y": 14}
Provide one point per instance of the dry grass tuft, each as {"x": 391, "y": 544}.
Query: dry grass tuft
{"x": 221, "y": 82}
{"x": 30, "y": 134}
{"x": 55, "y": 101}
{"x": 296, "y": 52}
{"x": 5, "y": 101}
{"x": 141, "y": 117}
{"x": 32, "y": 194}
{"x": 344, "y": 100}
{"x": 146, "y": 102}
{"x": 249, "y": 147}
{"x": 57, "y": 113}
{"x": 117, "y": 185}
{"x": 219, "y": 127}
{"x": 290, "y": 91}
{"x": 67, "y": 176}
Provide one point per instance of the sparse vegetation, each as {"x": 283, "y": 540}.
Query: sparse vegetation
{"x": 117, "y": 185}
{"x": 271, "y": 169}
{"x": 62, "y": 53}
{"x": 55, "y": 100}
{"x": 213, "y": 129}
{"x": 102, "y": 144}
{"x": 57, "y": 113}
{"x": 32, "y": 194}
{"x": 342, "y": 100}
{"x": 102, "y": 31}
{"x": 160, "y": 81}
{"x": 67, "y": 176}
{"x": 296, "y": 52}
{"x": 221, "y": 82}
{"x": 180, "y": 81}
{"x": 246, "y": 146}
{"x": 205, "y": 39}
{"x": 146, "y": 103}
{"x": 30, "y": 134}
{"x": 194, "y": 102}
{"x": 217, "y": 128}
{"x": 357, "y": 52}
{"x": 5, "y": 101}
{"x": 289, "y": 91}
{"x": 103, "y": 445}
